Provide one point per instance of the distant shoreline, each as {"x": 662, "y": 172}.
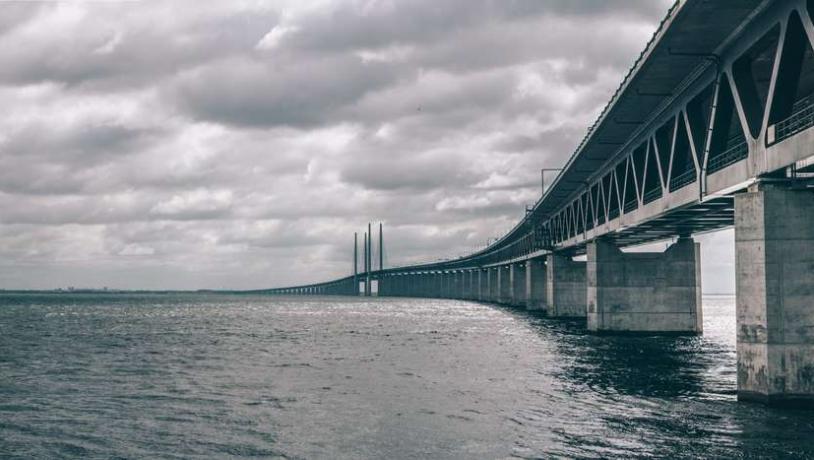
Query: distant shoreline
{"x": 197, "y": 291}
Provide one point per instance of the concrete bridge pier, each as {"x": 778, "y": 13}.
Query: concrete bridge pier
{"x": 566, "y": 287}
{"x": 535, "y": 284}
{"x": 440, "y": 287}
{"x": 482, "y": 278}
{"x": 517, "y": 281}
{"x": 504, "y": 286}
{"x": 460, "y": 285}
{"x": 492, "y": 285}
{"x": 469, "y": 284}
{"x": 774, "y": 264}
{"x": 644, "y": 291}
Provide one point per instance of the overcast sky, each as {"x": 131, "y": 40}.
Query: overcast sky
{"x": 239, "y": 144}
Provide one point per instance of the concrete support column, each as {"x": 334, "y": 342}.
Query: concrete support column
{"x": 566, "y": 288}
{"x": 644, "y": 291}
{"x": 491, "y": 284}
{"x": 774, "y": 265}
{"x": 517, "y": 279}
{"x": 455, "y": 285}
{"x": 535, "y": 284}
{"x": 481, "y": 285}
{"x": 504, "y": 285}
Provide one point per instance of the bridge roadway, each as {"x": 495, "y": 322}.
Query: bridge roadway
{"x": 711, "y": 128}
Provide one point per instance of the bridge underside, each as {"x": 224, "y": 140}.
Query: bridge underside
{"x": 695, "y": 218}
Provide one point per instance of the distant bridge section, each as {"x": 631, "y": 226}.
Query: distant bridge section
{"x": 711, "y": 128}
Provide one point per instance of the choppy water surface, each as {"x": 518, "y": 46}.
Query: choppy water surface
{"x": 215, "y": 376}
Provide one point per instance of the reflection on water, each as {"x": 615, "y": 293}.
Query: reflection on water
{"x": 212, "y": 376}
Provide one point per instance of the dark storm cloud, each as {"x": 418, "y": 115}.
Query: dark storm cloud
{"x": 240, "y": 144}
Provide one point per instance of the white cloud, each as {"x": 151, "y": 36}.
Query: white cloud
{"x": 196, "y": 203}
{"x": 275, "y": 36}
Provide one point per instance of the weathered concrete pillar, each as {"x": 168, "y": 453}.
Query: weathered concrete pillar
{"x": 481, "y": 285}
{"x": 774, "y": 264}
{"x": 418, "y": 282}
{"x": 644, "y": 291}
{"x": 466, "y": 284}
{"x": 566, "y": 288}
{"x": 504, "y": 293}
{"x": 535, "y": 284}
{"x": 492, "y": 285}
{"x": 439, "y": 285}
{"x": 423, "y": 289}
{"x": 517, "y": 279}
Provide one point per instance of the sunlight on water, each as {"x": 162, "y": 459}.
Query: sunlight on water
{"x": 211, "y": 376}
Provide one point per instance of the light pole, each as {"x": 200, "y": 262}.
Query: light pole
{"x": 542, "y": 175}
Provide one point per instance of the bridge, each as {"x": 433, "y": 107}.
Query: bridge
{"x": 711, "y": 128}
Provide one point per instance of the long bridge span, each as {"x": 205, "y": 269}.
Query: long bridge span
{"x": 711, "y": 128}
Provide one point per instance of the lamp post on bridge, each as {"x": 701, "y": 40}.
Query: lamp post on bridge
{"x": 542, "y": 175}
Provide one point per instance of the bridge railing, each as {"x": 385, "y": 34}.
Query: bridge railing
{"x": 682, "y": 180}
{"x": 801, "y": 119}
{"x": 731, "y": 155}
{"x": 652, "y": 195}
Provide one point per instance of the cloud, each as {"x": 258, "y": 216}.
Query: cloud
{"x": 240, "y": 144}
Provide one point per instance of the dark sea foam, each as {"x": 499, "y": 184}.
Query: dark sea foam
{"x": 217, "y": 376}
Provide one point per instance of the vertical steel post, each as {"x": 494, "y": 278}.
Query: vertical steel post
{"x": 381, "y": 248}
{"x": 368, "y": 285}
